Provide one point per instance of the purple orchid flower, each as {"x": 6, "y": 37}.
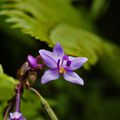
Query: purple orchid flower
{"x": 59, "y": 63}
{"x": 16, "y": 116}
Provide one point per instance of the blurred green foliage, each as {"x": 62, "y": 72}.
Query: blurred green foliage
{"x": 73, "y": 24}
{"x": 7, "y": 84}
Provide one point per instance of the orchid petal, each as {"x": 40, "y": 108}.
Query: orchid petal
{"x": 49, "y": 58}
{"x": 73, "y": 77}
{"x": 77, "y": 62}
{"x": 49, "y": 75}
{"x": 58, "y": 51}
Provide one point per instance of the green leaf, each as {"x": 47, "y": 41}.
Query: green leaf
{"x": 38, "y": 17}
{"x": 57, "y": 21}
{"x": 7, "y": 85}
{"x": 78, "y": 42}
{"x": 42, "y": 20}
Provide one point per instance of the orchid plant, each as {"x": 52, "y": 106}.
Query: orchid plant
{"x": 58, "y": 63}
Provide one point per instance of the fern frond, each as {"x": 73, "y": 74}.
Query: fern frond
{"x": 78, "y": 42}
{"x": 53, "y": 21}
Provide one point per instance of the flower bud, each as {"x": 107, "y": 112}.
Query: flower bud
{"x": 16, "y": 116}
{"x": 32, "y": 61}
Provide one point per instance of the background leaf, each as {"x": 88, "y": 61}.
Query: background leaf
{"x": 35, "y": 15}
{"x": 78, "y": 42}
{"x": 7, "y": 85}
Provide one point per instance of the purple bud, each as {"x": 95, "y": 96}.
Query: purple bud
{"x": 68, "y": 63}
{"x": 16, "y": 116}
{"x": 32, "y": 61}
{"x": 65, "y": 57}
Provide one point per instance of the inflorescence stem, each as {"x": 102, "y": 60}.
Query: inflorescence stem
{"x": 18, "y": 94}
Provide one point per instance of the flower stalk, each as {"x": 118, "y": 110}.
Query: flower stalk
{"x": 45, "y": 105}
{"x": 18, "y": 94}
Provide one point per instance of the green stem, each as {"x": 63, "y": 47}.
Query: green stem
{"x": 45, "y": 105}
{"x": 7, "y": 111}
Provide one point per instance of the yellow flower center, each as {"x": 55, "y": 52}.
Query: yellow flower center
{"x": 62, "y": 70}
